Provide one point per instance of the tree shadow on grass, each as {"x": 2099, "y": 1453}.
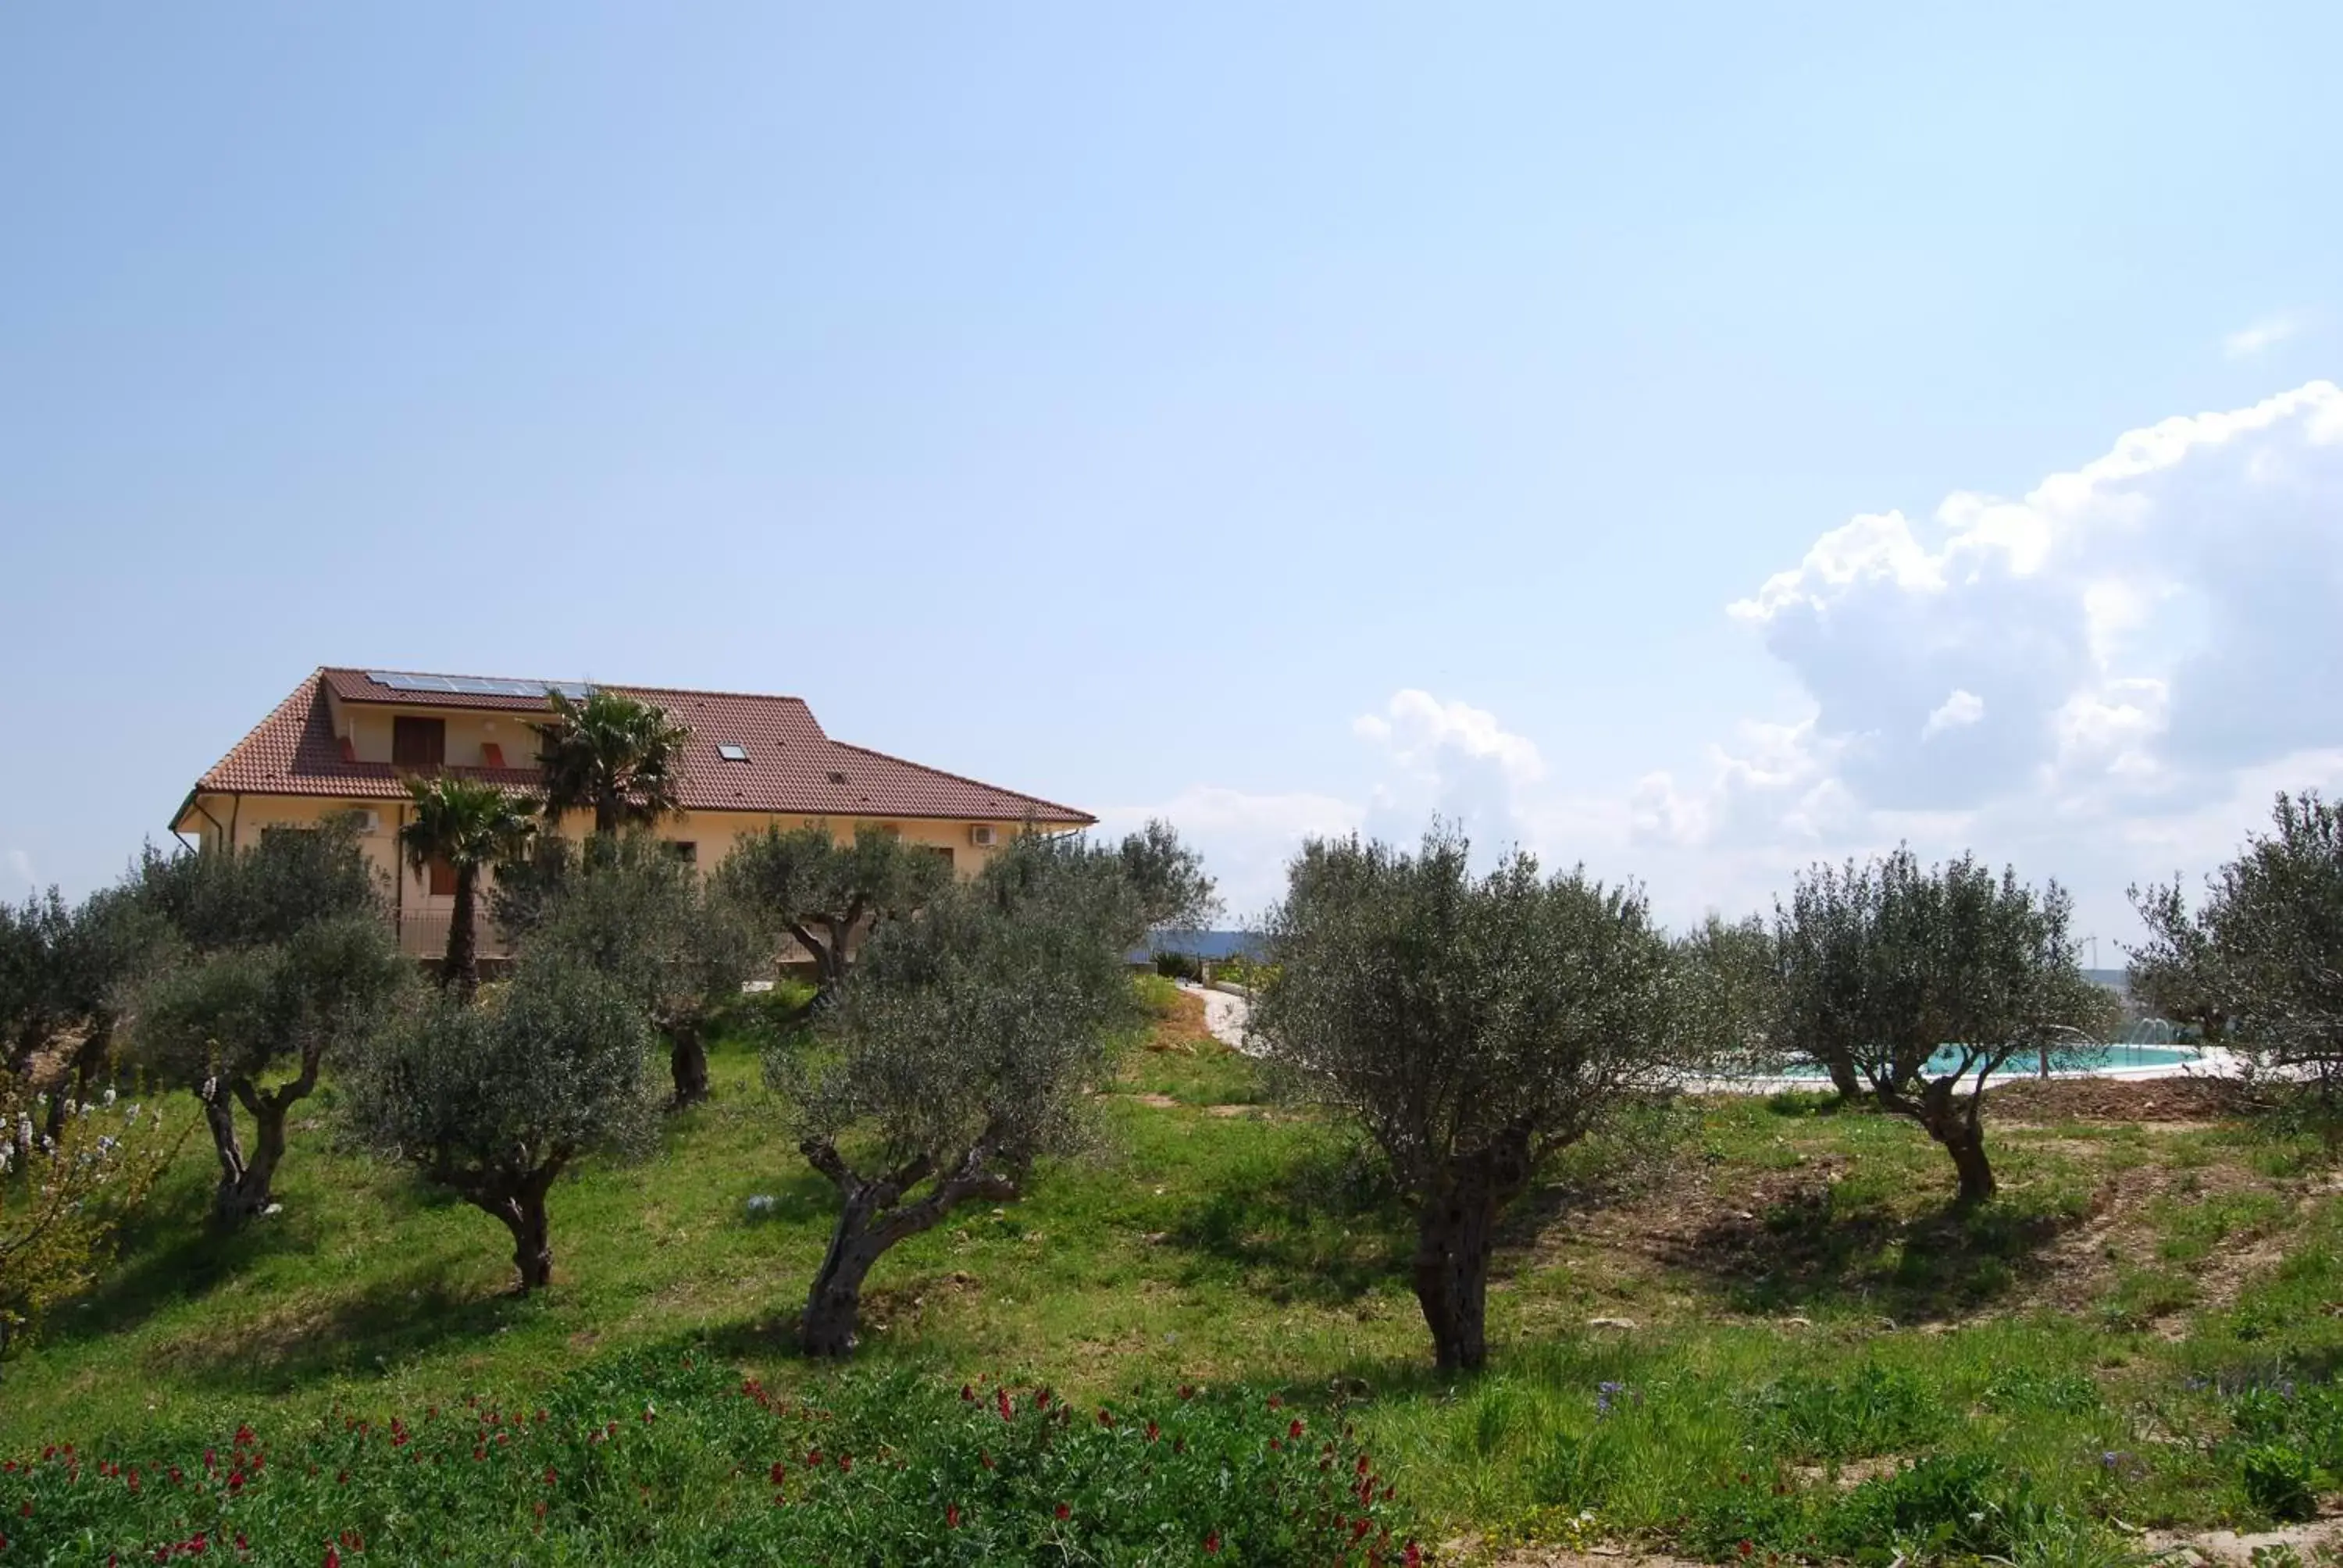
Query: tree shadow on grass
{"x": 173, "y": 1253}
{"x": 1807, "y": 1249}
{"x": 1323, "y": 1227}
{"x": 305, "y": 1339}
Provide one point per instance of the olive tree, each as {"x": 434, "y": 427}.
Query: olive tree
{"x": 279, "y": 958}
{"x": 2259, "y": 964}
{"x": 62, "y": 971}
{"x": 1168, "y": 878}
{"x": 958, "y": 1054}
{"x": 638, "y": 914}
{"x": 495, "y": 1099}
{"x": 1471, "y": 1025}
{"x": 1921, "y": 982}
{"x": 803, "y": 883}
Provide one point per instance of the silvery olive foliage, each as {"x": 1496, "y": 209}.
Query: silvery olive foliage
{"x": 1883, "y": 964}
{"x": 1472, "y": 1024}
{"x": 2258, "y": 963}
{"x": 805, "y": 885}
{"x": 1168, "y": 878}
{"x": 635, "y": 912}
{"x": 958, "y": 1054}
{"x": 494, "y": 1100}
{"x": 278, "y": 957}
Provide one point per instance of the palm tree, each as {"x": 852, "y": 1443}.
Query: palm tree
{"x": 617, "y": 756}
{"x": 468, "y": 825}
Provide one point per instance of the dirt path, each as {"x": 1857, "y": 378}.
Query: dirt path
{"x": 1224, "y": 1015}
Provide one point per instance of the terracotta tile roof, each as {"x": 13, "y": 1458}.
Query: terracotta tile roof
{"x": 793, "y": 767}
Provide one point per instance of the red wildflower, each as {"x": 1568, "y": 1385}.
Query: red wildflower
{"x": 780, "y": 1469}
{"x": 1414, "y": 1556}
{"x": 1187, "y": 1391}
{"x": 1294, "y": 1430}
{"x": 1040, "y": 1399}
{"x": 27, "y": 1510}
{"x": 244, "y": 1437}
{"x": 845, "y": 1463}
{"x": 1747, "y": 1548}
{"x": 1362, "y": 1464}
{"x": 1064, "y": 1512}
{"x": 984, "y": 1459}
{"x": 551, "y": 1476}
{"x": 236, "y": 1480}
{"x": 241, "y": 1543}
{"x": 813, "y": 1460}
{"x": 480, "y": 1450}
{"x": 1104, "y": 1419}
{"x": 1275, "y": 1402}
{"x": 967, "y": 1394}
{"x": 1211, "y": 1540}
{"x": 1153, "y": 1430}
{"x": 1000, "y": 1402}
{"x": 332, "y": 1558}
{"x": 951, "y": 1515}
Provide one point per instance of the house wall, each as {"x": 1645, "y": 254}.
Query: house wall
{"x": 423, "y": 916}
{"x": 369, "y": 729}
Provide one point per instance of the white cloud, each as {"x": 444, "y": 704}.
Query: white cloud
{"x": 1957, "y": 711}
{"x": 20, "y": 867}
{"x": 2271, "y": 330}
{"x": 2101, "y": 681}
{"x": 1245, "y": 838}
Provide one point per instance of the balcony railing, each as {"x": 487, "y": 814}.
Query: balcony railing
{"x": 423, "y": 934}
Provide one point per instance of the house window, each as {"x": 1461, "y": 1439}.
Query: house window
{"x": 443, "y": 876}
{"x": 417, "y": 742}
{"x": 684, "y": 850}
{"x": 944, "y": 851}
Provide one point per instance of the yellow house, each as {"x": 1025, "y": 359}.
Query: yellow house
{"x": 346, "y": 737}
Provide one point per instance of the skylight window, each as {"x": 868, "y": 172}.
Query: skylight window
{"x": 733, "y": 753}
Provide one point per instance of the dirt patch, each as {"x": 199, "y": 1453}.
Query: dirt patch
{"x": 1160, "y": 1101}
{"x": 1181, "y": 1029}
{"x": 2198, "y": 1100}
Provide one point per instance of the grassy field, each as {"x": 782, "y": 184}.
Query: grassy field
{"x": 1789, "y": 1311}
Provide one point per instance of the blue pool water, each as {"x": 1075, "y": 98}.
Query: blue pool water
{"x": 2115, "y": 1056}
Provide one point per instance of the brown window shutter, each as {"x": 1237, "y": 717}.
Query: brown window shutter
{"x": 417, "y": 742}
{"x": 443, "y": 876}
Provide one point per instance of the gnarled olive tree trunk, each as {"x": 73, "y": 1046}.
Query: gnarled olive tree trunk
{"x": 247, "y": 1178}
{"x": 872, "y": 1218}
{"x": 1956, "y": 1121}
{"x": 1456, "y": 1225}
{"x": 687, "y": 1059}
{"x": 516, "y": 1200}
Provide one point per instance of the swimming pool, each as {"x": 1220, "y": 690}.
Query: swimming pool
{"x": 2117, "y": 1056}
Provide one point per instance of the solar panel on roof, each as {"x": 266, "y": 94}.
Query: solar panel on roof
{"x": 476, "y": 686}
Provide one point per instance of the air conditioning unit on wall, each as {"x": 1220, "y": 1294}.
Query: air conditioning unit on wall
{"x": 984, "y": 835}
{"x": 369, "y": 822}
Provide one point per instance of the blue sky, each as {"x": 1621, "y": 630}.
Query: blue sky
{"x": 1288, "y": 418}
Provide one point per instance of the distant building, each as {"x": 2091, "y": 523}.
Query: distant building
{"x": 346, "y": 739}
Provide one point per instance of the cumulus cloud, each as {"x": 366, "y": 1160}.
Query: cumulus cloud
{"x": 1246, "y": 838}
{"x": 2271, "y": 330}
{"x": 2103, "y": 679}
{"x": 1962, "y": 708}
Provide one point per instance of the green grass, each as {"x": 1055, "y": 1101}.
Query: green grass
{"x": 1805, "y": 1302}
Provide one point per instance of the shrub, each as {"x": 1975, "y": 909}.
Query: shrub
{"x": 63, "y": 1194}
{"x": 1941, "y": 1505}
{"x": 1180, "y": 966}
{"x": 2279, "y": 1481}
{"x": 665, "y": 1457}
